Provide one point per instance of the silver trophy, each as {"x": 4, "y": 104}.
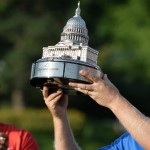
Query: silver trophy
{"x": 61, "y": 63}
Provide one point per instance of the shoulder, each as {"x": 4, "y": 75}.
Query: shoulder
{"x": 124, "y": 142}
{"x": 11, "y": 129}
{"x": 8, "y": 128}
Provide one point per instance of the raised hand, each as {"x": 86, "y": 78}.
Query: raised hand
{"x": 100, "y": 89}
{"x": 56, "y": 101}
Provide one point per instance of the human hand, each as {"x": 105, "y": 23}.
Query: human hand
{"x": 101, "y": 90}
{"x": 56, "y": 102}
{"x": 3, "y": 141}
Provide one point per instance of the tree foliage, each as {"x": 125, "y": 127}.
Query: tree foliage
{"x": 118, "y": 29}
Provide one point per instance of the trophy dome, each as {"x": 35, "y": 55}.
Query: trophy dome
{"x": 75, "y": 31}
{"x": 76, "y": 22}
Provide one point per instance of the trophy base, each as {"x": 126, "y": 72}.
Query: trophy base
{"x": 59, "y": 72}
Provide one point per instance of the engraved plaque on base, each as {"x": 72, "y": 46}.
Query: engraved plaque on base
{"x": 58, "y": 72}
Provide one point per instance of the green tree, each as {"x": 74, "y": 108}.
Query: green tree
{"x": 26, "y": 27}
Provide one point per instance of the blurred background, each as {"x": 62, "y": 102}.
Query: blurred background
{"x": 118, "y": 29}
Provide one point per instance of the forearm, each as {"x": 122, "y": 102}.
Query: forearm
{"x": 64, "y": 138}
{"x": 134, "y": 121}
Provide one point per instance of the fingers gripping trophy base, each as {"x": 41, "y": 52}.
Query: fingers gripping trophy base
{"x": 59, "y": 72}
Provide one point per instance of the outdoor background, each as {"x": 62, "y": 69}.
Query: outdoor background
{"x": 118, "y": 29}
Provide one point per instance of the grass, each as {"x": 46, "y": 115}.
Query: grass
{"x": 89, "y": 133}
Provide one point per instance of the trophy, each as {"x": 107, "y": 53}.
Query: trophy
{"x": 61, "y": 63}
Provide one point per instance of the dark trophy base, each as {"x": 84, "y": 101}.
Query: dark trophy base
{"x": 58, "y": 72}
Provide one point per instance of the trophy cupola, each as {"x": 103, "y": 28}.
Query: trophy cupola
{"x": 75, "y": 31}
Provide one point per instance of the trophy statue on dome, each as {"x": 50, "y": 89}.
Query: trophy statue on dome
{"x": 62, "y": 62}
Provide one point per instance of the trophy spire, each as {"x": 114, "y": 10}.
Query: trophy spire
{"x": 78, "y": 10}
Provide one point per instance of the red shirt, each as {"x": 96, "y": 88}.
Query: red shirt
{"x": 18, "y": 139}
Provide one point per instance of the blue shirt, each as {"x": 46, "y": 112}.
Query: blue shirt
{"x": 124, "y": 142}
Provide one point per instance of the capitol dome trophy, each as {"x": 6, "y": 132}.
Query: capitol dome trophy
{"x": 61, "y": 63}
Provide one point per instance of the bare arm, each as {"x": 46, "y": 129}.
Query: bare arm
{"x": 133, "y": 120}
{"x": 107, "y": 95}
{"x": 57, "y": 104}
{"x": 64, "y": 138}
